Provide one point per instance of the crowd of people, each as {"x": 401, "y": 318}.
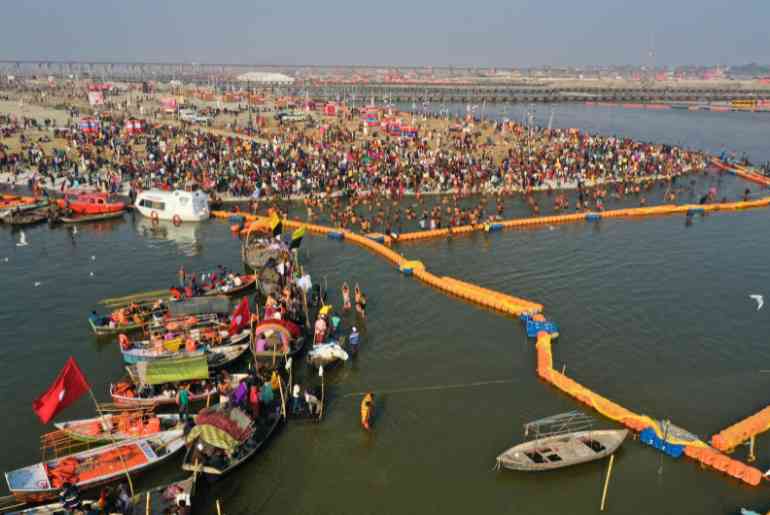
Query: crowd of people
{"x": 346, "y": 159}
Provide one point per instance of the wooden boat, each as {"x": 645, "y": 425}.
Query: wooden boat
{"x": 116, "y": 427}
{"x": 283, "y": 339}
{"x": 92, "y": 468}
{"x": 560, "y": 441}
{"x": 243, "y": 438}
{"x": 218, "y": 356}
{"x": 106, "y": 330}
{"x": 155, "y": 383}
{"x": 11, "y": 203}
{"x": 91, "y": 218}
{"x": 162, "y": 501}
{"x": 562, "y": 450}
{"x": 129, "y": 317}
{"x": 22, "y": 218}
{"x": 247, "y": 283}
{"x": 90, "y": 203}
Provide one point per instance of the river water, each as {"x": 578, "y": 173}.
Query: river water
{"x": 654, "y": 314}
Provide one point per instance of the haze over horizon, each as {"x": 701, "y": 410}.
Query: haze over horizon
{"x": 491, "y": 33}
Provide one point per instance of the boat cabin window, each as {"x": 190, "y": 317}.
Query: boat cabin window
{"x": 152, "y": 204}
{"x": 593, "y": 444}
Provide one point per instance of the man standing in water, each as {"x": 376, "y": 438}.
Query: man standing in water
{"x": 367, "y": 411}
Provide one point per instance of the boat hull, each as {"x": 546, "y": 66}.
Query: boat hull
{"x": 31, "y": 484}
{"x": 561, "y": 451}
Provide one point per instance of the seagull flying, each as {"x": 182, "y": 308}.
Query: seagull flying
{"x": 760, "y": 300}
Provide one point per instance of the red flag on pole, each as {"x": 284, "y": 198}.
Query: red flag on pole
{"x": 67, "y": 388}
{"x": 241, "y": 317}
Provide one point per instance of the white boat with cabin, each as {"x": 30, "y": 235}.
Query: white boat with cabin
{"x": 177, "y": 205}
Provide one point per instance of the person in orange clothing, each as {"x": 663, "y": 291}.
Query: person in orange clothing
{"x": 367, "y": 411}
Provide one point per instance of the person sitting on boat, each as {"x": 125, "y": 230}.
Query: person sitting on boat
{"x": 96, "y": 319}
{"x": 176, "y": 294}
{"x": 261, "y": 343}
{"x": 313, "y": 404}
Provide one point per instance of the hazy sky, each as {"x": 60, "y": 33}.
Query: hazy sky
{"x": 398, "y": 32}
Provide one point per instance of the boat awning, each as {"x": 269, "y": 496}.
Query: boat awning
{"x": 199, "y": 306}
{"x": 213, "y": 436}
{"x": 160, "y": 371}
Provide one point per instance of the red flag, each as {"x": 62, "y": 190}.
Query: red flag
{"x": 67, "y": 388}
{"x": 241, "y": 317}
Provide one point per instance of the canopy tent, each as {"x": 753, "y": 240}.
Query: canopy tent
{"x": 199, "y": 306}
{"x": 283, "y": 326}
{"x": 160, "y": 371}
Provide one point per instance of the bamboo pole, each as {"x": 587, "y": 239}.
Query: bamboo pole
{"x": 752, "y": 458}
{"x": 219, "y": 509}
{"x": 283, "y": 400}
{"x": 115, "y": 442}
{"x": 147, "y": 505}
{"x": 323, "y": 392}
{"x": 607, "y": 481}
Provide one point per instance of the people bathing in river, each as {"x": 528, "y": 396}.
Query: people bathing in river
{"x": 345, "y": 297}
{"x": 360, "y": 301}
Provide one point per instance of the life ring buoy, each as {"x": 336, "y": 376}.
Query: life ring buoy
{"x": 154, "y": 217}
{"x": 177, "y": 220}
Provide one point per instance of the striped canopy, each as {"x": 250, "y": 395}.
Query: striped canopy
{"x": 214, "y": 437}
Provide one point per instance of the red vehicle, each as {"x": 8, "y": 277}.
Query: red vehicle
{"x": 90, "y": 203}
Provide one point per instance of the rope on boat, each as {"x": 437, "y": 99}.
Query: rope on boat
{"x": 431, "y": 388}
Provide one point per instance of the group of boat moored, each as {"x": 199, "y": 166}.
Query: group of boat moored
{"x": 188, "y": 389}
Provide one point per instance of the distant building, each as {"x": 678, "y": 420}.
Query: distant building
{"x": 266, "y": 78}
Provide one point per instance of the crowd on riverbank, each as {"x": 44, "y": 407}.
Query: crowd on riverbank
{"x": 343, "y": 158}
